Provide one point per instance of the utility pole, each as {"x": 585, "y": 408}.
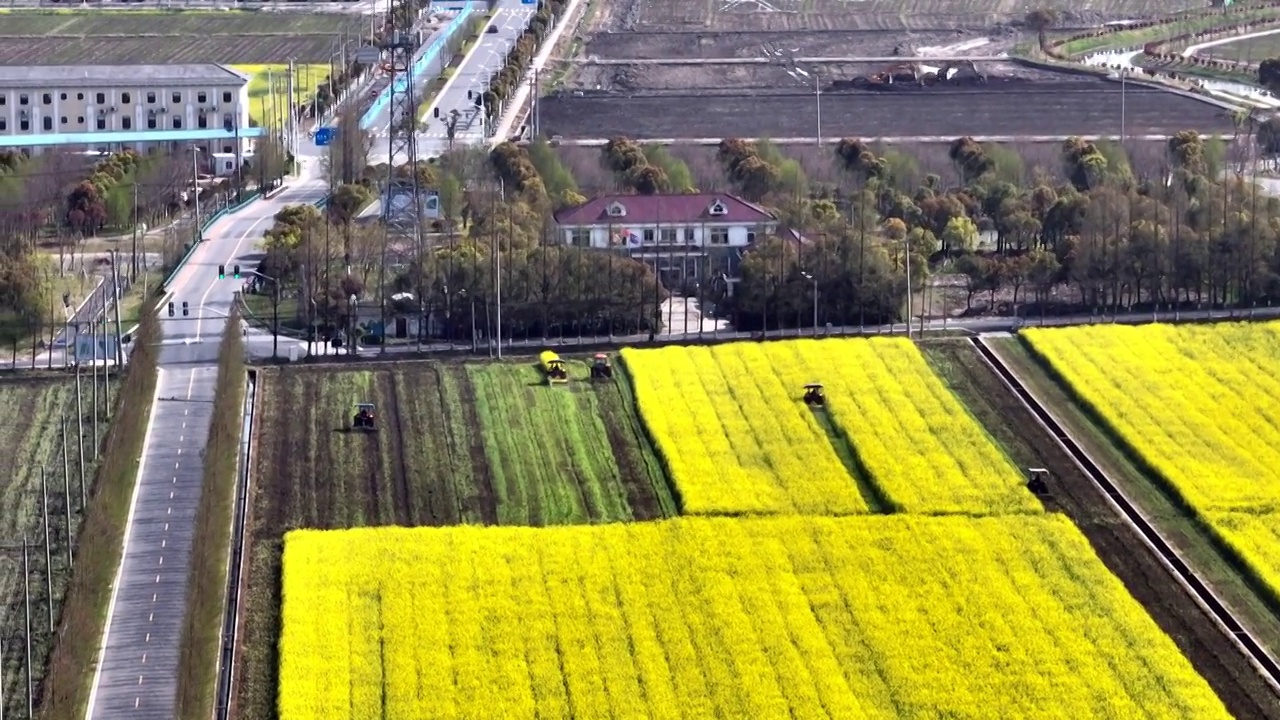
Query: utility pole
{"x": 115, "y": 282}
{"x": 497, "y": 279}
{"x": 402, "y": 203}
{"x": 133, "y": 264}
{"x": 195, "y": 192}
{"x": 817, "y": 95}
{"x": 66, "y": 490}
{"x": 26, "y": 593}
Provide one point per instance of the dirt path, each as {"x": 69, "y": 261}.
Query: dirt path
{"x": 1120, "y": 547}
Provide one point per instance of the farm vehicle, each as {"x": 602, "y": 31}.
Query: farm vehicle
{"x": 554, "y": 367}
{"x": 364, "y": 418}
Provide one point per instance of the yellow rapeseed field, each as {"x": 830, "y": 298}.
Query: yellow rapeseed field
{"x": 737, "y": 438}
{"x": 1200, "y": 404}
{"x": 922, "y": 448}
{"x": 734, "y": 437}
{"x": 778, "y": 617}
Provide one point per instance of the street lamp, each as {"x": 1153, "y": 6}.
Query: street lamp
{"x": 813, "y": 280}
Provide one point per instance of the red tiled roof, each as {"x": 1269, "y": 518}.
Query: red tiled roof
{"x": 665, "y": 209}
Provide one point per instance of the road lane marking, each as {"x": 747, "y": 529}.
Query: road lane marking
{"x": 139, "y": 679}
{"x": 163, "y": 543}
{"x": 162, "y": 560}
{"x": 136, "y": 700}
{"x": 144, "y": 658}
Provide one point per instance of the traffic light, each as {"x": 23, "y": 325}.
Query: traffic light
{"x": 170, "y": 309}
{"x": 222, "y": 272}
{"x": 236, "y": 270}
{"x": 184, "y": 308}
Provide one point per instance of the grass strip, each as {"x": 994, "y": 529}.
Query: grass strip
{"x": 202, "y": 622}
{"x": 100, "y": 546}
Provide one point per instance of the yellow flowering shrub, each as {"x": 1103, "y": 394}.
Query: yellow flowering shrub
{"x": 734, "y": 437}
{"x": 762, "y": 618}
{"x": 1200, "y": 405}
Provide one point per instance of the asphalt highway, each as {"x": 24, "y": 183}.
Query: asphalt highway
{"x": 136, "y": 671}
{"x": 510, "y": 19}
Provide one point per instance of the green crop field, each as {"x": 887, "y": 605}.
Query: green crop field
{"x": 31, "y": 439}
{"x": 455, "y": 444}
{"x": 132, "y": 37}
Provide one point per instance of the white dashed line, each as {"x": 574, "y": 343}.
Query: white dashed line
{"x": 153, "y": 597}
{"x": 169, "y": 511}
{"x": 139, "y": 679}
{"x": 163, "y": 542}
{"x": 161, "y": 559}
{"x": 135, "y": 702}
{"x": 170, "y": 494}
{"x": 179, "y": 451}
{"x": 175, "y": 466}
{"x": 144, "y": 658}
{"x": 166, "y": 527}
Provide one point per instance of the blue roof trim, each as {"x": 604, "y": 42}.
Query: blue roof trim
{"x": 107, "y": 138}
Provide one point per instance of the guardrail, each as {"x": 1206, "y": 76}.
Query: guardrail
{"x": 231, "y": 616}
{"x": 427, "y": 55}
{"x": 204, "y": 227}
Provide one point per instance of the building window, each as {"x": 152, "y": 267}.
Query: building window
{"x": 4, "y": 124}
{"x": 580, "y": 238}
{"x": 80, "y": 120}
{"x": 102, "y": 123}
{"x": 48, "y": 122}
{"x": 751, "y": 237}
{"x": 177, "y": 96}
{"x": 667, "y": 236}
{"x": 202, "y": 98}
{"x": 202, "y": 121}
{"x": 79, "y": 96}
{"x": 100, "y": 98}
{"x": 689, "y": 236}
{"x": 719, "y": 236}
{"x": 227, "y": 149}
{"x": 125, "y": 98}
{"x": 177, "y": 122}
{"x": 24, "y": 125}
{"x": 23, "y": 99}
{"x": 63, "y": 96}
{"x": 151, "y": 122}
{"x": 648, "y": 237}
{"x": 226, "y": 97}
{"x": 4, "y": 100}
{"x": 64, "y": 119}
{"x": 151, "y": 98}
{"x": 126, "y": 123}
{"x": 228, "y": 121}
{"x": 47, "y": 98}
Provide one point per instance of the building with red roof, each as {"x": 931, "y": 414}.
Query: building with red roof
{"x": 684, "y": 237}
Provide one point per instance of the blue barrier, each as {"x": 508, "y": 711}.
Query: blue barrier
{"x": 416, "y": 69}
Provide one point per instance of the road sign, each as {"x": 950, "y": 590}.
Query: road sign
{"x": 368, "y": 55}
{"x": 324, "y": 136}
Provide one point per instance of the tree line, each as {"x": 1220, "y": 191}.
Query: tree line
{"x": 1090, "y": 233}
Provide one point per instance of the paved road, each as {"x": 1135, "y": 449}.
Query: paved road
{"x": 713, "y": 330}
{"x": 138, "y": 675}
{"x": 380, "y": 125}
{"x": 136, "y": 672}
{"x": 510, "y": 19}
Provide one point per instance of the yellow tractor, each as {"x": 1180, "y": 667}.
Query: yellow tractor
{"x": 601, "y": 367}
{"x": 554, "y": 367}
{"x": 813, "y": 395}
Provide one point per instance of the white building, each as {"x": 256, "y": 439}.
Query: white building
{"x": 684, "y": 237}
{"x": 114, "y": 107}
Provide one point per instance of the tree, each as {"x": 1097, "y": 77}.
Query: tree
{"x": 1039, "y": 21}
{"x": 960, "y": 235}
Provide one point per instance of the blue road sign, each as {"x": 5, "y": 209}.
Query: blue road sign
{"x": 324, "y": 136}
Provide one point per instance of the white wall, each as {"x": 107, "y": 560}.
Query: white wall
{"x": 738, "y": 234}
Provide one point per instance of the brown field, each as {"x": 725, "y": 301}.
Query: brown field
{"x": 158, "y": 37}
{"x": 730, "y": 15}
